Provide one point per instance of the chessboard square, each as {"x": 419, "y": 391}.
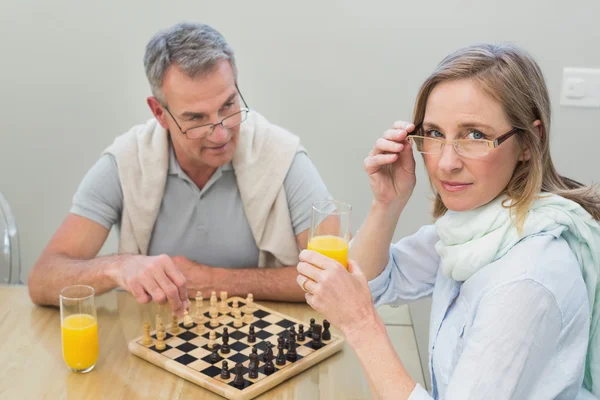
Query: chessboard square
{"x": 167, "y": 347}
{"x": 304, "y": 351}
{"x": 173, "y": 353}
{"x": 246, "y": 384}
{"x": 262, "y": 345}
{"x": 237, "y": 358}
{"x": 272, "y": 318}
{"x": 260, "y": 376}
{"x": 238, "y": 346}
{"x": 175, "y": 341}
{"x": 247, "y": 351}
{"x": 198, "y": 365}
{"x": 212, "y": 371}
{"x": 245, "y": 329}
{"x": 263, "y": 334}
{"x": 261, "y": 313}
{"x": 274, "y": 329}
{"x": 185, "y": 359}
{"x": 167, "y": 337}
{"x": 261, "y": 324}
{"x": 220, "y": 329}
{"x": 298, "y": 358}
{"x": 199, "y": 353}
{"x": 237, "y": 335}
{"x": 225, "y": 320}
{"x": 186, "y": 347}
{"x": 285, "y": 323}
{"x": 187, "y": 336}
{"x": 207, "y": 314}
{"x": 208, "y": 359}
{"x": 310, "y": 344}
{"x": 199, "y": 341}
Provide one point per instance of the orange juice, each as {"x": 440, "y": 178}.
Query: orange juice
{"x": 330, "y": 246}
{"x": 80, "y": 341}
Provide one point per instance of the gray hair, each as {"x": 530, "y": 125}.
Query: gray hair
{"x": 195, "y": 48}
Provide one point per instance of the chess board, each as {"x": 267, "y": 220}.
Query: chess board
{"x": 187, "y": 354}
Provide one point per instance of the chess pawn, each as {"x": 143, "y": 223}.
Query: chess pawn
{"x": 160, "y": 340}
{"x": 174, "y": 325}
{"x": 250, "y": 302}
{"x": 238, "y": 381}
{"x": 225, "y": 339}
{"x": 188, "y": 322}
{"x": 200, "y": 328}
{"x": 147, "y": 341}
{"x": 225, "y": 371}
{"x": 212, "y": 338}
{"x": 214, "y": 357}
{"x": 248, "y": 317}
{"x": 223, "y": 306}
{"x": 310, "y": 327}
{"x": 301, "y": 333}
{"x": 251, "y": 334}
{"x": 238, "y": 323}
{"x": 326, "y": 334}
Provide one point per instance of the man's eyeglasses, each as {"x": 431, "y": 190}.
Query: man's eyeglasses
{"x": 230, "y": 121}
{"x": 468, "y": 148}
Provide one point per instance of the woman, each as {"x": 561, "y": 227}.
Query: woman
{"x": 512, "y": 260}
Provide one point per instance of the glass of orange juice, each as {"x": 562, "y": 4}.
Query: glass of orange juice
{"x": 79, "y": 328}
{"x": 329, "y": 232}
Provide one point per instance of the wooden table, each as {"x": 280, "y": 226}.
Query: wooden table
{"x": 31, "y": 364}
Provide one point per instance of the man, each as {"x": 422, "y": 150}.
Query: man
{"x": 203, "y": 194}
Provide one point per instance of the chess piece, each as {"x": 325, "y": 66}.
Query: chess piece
{"x": 174, "y": 325}
{"x": 291, "y": 333}
{"x": 291, "y": 354}
{"x": 225, "y": 371}
{"x": 214, "y": 322}
{"x": 301, "y": 333}
{"x": 269, "y": 367}
{"x": 224, "y": 308}
{"x": 214, "y": 357}
{"x": 316, "y": 337}
{"x": 200, "y": 328}
{"x": 238, "y": 323}
{"x": 248, "y": 317}
{"x": 238, "y": 381}
{"x": 225, "y": 347}
{"x": 188, "y": 322}
{"x": 253, "y": 365}
{"x": 147, "y": 341}
{"x": 268, "y": 353}
{"x": 280, "y": 355}
{"x": 310, "y": 327}
{"x": 326, "y": 334}
{"x": 250, "y": 303}
{"x": 286, "y": 343}
{"x": 251, "y": 335}
{"x": 212, "y": 337}
{"x": 213, "y": 299}
{"x": 236, "y": 306}
{"x": 160, "y": 340}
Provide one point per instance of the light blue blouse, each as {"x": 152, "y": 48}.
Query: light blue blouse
{"x": 517, "y": 329}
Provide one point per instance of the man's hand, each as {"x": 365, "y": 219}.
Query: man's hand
{"x": 199, "y": 277}
{"x": 153, "y": 279}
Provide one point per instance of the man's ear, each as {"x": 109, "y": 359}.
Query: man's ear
{"x": 158, "y": 111}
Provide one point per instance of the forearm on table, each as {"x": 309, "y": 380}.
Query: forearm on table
{"x": 370, "y": 249}
{"x": 385, "y": 373}
{"x": 54, "y": 272}
{"x": 278, "y": 284}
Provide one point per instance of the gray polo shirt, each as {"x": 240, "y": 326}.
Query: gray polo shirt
{"x": 208, "y": 226}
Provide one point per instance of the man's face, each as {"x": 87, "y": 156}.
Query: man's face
{"x": 194, "y": 102}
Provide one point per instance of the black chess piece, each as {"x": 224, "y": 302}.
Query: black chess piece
{"x": 268, "y": 353}
{"x": 316, "y": 337}
{"x": 214, "y": 357}
{"x": 251, "y": 335}
{"x": 280, "y": 355}
{"x": 253, "y": 365}
{"x": 238, "y": 381}
{"x": 301, "y": 333}
{"x": 310, "y": 328}
{"x": 292, "y": 332}
{"x": 291, "y": 354}
{"x": 225, "y": 347}
{"x": 326, "y": 334}
{"x": 225, "y": 371}
{"x": 269, "y": 367}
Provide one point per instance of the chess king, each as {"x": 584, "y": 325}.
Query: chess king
{"x": 186, "y": 187}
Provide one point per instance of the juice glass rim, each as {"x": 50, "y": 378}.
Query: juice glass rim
{"x": 340, "y": 209}
{"x": 72, "y": 287}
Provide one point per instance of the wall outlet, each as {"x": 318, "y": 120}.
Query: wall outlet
{"x": 580, "y": 87}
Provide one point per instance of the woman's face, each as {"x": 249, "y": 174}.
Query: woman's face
{"x": 461, "y": 110}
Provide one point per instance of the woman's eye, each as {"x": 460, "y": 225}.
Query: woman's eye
{"x": 475, "y": 135}
{"x": 434, "y": 133}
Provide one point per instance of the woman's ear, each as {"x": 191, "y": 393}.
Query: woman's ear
{"x": 538, "y": 129}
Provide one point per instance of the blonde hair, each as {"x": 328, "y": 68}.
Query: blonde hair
{"x": 513, "y": 78}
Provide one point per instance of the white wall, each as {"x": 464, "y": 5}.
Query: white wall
{"x": 336, "y": 73}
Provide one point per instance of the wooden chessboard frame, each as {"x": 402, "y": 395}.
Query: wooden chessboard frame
{"x": 224, "y": 389}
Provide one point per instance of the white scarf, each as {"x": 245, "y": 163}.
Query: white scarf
{"x": 471, "y": 240}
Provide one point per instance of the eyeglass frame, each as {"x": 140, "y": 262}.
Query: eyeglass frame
{"x": 492, "y": 144}
{"x": 245, "y": 108}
